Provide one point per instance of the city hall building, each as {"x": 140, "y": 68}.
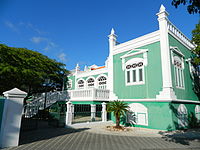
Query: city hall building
{"x": 152, "y": 73}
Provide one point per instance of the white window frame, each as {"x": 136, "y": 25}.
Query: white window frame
{"x": 182, "y": 116}
{"x": 135, "y": 112}
{"x": 179, "y": 72}
{"x": 104, "y": 86}
{"x": 88, "y": 83}
{"x": 69, "y": 84}
{"x": 136, "y": 69}
{"x": 197, "y": 113}
{"x": 77, "y": 85}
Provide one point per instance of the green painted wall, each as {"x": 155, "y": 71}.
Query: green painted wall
{"x": 187, "y": 93}
{"x": 73, "y": 79}
{"x": 174, "y": 108}
{"x": 164, "y": 115}
{"x": 153, "y": 76}
{"x": 73, "y": 83}
{"x": 1, "y": 109}
{"x": 159, "y": 115}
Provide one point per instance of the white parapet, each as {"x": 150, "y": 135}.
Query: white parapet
{"x": 11, "y": 120}
{"x": 92, "y": 94}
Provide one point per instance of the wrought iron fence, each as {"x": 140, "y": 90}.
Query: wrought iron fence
{"x": 98, "y": 112}
{"x": 82, "y": 113}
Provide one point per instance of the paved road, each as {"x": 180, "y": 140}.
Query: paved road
{"x": 84, "y": 139}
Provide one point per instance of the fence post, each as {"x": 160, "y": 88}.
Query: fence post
{"x": 11, "y": 119}
{"x": 93, "y": 112}
{"x": 104, "y": 112}
{"x": 69, "y": 113}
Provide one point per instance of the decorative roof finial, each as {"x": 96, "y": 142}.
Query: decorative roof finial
{"x": 112, "y": 31}
{"x": 162, "y": 8}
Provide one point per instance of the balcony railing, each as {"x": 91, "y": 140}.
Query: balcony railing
{"x": 89, "y": 94}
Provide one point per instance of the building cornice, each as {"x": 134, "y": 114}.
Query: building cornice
{"x": 91, "y": 73}
{"x": 137, "y": 43}
{"x": 156, "y": 100}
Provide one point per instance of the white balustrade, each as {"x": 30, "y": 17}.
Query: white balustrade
{"x": 89, "y": 94}
{"x": 173, "y": 29}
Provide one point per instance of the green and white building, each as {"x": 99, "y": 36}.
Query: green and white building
{"x": 152, "y": 73}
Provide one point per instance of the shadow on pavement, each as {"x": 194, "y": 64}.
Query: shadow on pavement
{"x": 45, "y": 132}
{"x": 181, "y": 136}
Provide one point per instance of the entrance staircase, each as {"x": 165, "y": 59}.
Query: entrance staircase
{"x": 31, "y": 108}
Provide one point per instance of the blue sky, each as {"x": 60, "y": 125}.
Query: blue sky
{"x": 72, "y": 31}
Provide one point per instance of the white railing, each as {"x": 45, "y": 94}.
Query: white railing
{"x": 173, "y": 29}
{"x": 38, "y": 102}
{"x": 89, "y": 94}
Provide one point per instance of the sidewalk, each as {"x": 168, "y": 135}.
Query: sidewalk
{"x": 100, "y": 128}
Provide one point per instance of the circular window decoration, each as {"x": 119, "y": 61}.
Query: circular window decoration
{"x": 134, "y": 65}
{"x": 140, "y": 64}
{"x": 128, "y": 66}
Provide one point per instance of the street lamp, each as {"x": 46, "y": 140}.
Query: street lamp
{"x": 46, "y": 84}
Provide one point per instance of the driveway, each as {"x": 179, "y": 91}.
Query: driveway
{"x": 95, "y": 136}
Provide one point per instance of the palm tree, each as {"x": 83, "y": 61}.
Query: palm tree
{"x": 118, "y": 108}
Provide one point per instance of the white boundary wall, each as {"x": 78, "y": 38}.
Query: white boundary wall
{"x": 11, "y": 119}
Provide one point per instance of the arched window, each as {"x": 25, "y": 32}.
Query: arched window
{"x": 137, "y": 114}
{"x": 134, "y": 71}
{"x": 80, "y": 84}
{"x": 178, "y": 71}
{"x": 90, "y": 83}
{"x": 182, "y": 116}
{"x": 69, "y": 84}
{"x": 102, "y": 82}
{"x": 197, "y": 112}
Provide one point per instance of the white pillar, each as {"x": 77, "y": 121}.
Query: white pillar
{"x": 93, "y": 112}
{"x": 104, "y": 112}
{"x": 167, "y": 91}
{"x": 11, "y": 119}
{"x": 69, "y": 113}
{"x": 112, "y": 43}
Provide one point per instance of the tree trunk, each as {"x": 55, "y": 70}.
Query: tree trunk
{"x": 117, "y": 121}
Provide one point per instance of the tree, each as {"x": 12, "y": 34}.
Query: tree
{"x": 27, "y": 69}
{"x": 118, "y": 108}
{"x": 193, "y": 5}
{"x": 196, "y": 41}
{"x": 196, "y": 59}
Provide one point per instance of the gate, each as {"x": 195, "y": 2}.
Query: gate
{"x": 98, "y": 112}
{"x": 82, "y": 113}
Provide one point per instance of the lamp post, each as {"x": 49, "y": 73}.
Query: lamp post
{"x": 45, "y": 84}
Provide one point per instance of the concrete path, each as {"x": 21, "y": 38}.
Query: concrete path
{"x": 95, "y": 136}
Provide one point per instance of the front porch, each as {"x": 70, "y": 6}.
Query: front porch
{"x": 92, "y": 94}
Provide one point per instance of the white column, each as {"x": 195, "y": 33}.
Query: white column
{"x": 69, "y": 113}
{"x": 167, "y": 91}
{"x": 104, "y": 112}
{"x": 93, "y": 112}
{"x": 11, "y": 119}
{"x": 112, "y": 43}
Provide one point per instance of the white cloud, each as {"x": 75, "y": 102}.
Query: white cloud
{"x": 32, "y": 27}
{"x": 49, "y": 45}
{"x": 62, "y": 57}
{"x": 38, "y": 40}
{"x": 11, "y": 26}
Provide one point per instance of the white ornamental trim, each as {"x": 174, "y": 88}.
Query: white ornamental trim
{"x": 138, "y": 42}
